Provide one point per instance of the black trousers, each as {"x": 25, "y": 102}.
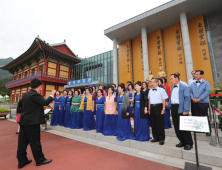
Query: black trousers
{"x": 29, "y": 134}
{"x": 192, "y": 108}
{"x": 201, "y": 109}
{"x": 157, "y": 122}
{"x": 183, "y": 136}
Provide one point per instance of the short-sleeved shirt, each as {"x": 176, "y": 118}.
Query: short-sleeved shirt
{"x": 157, "y": 96}
{"x": 175, "y": 95}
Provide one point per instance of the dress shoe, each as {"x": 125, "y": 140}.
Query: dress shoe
{"x": 47, "y": 161}
{"x": 180, "y": 145}
{"x": 161, "y": 142}
{"x": 154, "y": 140}
{"x": 188, "y": 147}
{"x": 208, "y": 134}
{"x": 28, "y": 162}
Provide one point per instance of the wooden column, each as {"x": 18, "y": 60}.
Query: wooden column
{"x": 29, "y": 72}
{"x": 70, "y": 72}
{"x": 57, "y": 69}
{"x": 14, "y": 95}
{"x": 20, "y": 95}
{"x": 56, "y": 86}
{"x": 11, "y": 95}
{"x": 45, "y": 68}
{"x": 27, "y": 88}
{"x": 43, "y": 88}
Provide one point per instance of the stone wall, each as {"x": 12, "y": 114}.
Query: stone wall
{"x": 215, "y": 25}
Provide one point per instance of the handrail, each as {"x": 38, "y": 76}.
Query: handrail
{"x": 36, "y": 75}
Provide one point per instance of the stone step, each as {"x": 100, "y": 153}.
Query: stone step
{"x": 200, "y": 136}
{"x": 207, "y": 154}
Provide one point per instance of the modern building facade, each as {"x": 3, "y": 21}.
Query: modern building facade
{"x": 179, "y": 36}
{"x": 53, "y": 64}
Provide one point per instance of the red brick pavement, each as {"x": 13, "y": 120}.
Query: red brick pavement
{"x": 67, "y": 154}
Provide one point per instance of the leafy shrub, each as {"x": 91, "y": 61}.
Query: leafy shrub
{"x": 4, "y": 110}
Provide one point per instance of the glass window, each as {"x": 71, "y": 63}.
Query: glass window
{"x": 111, "y": 53}
{"x": 105, "y": 55}
{"x": 101, "y": 78}
{"x": 108, "y": 70}
{"x": 105, "y": 70}
{"x": 98, "y": 58}
{"x": 95, "y": 58}
{"x": 105, "y": 79}
{"x": 105, "y": 62}
{"x": 101, "y": 56}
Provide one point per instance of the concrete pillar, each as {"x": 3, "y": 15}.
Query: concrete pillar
{"x": 115, "y": 68}
{"x": 186, "y": 45}
{"x": 145, "y": 52}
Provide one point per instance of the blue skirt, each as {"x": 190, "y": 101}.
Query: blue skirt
{"x": 89, "y": 122}
{"x": 131, "y": 111}
{"x": 67, "y": 117}
{"x": 123, "y": 126}
{"x": 61, "y": 116}
{"x": 141, "y": 126}
{"x": 100, "y": 115}
{"x": 55, "y": 116}
{"x": 77, "y": 119}
{"x": 167, "y": 119}
{"x": 110, "y": 125}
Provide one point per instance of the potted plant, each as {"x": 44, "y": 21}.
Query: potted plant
{"x": 213, "y": 91}
{"x": 4, "y": 112}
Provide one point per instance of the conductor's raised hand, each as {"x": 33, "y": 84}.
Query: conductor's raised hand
{"x": 53, "y": 92}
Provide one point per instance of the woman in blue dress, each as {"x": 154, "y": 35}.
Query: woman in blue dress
{"x": 123, "y": 124}
{"x": 110, "y": 121}
{"x": 67, "y": 117}
{"x": 87, "y": 106}
{"x": 56, "y": 111}
{"x": 76, "y": 113}
{"x": 141, "y": 116}
{"x": 61, "y": 107}
{"x": 131, "y": 98}
{"x": 100, "y": 115}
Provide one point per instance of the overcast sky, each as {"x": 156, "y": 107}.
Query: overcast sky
{"x": 81, "y": 23}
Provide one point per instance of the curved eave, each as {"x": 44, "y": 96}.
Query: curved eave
{"x": 35, "y": 46}
{"x": 55, "y": 51}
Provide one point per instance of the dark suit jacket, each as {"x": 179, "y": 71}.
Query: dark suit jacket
{"x": 19, "y": 106}
{"x": 32, "y": 108}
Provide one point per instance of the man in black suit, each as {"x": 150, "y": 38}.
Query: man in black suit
{"x": 32, "y": 115}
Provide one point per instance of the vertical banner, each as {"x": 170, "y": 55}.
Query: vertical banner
{"x": 138, "y": 69}
{"x": 174, "y": 52}
{"x": 155, "y": 52}
{"x": 125, "y": 63}
{"x": 199, "y": 47}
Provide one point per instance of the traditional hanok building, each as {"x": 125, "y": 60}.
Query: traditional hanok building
{"x": 53, "y": 64}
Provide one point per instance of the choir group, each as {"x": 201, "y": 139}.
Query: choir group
{"x": 128, "y": 113}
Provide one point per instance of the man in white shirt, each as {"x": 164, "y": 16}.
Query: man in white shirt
{"x": 157, "y": 97}
{"x": 189, "y": 84}
{"x": 192, "y": 80}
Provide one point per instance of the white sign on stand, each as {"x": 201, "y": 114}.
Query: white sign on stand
{"x": 46, "y": 111}
{"x": 194, "y": 124}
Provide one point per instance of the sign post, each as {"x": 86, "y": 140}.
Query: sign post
{"x": 195, "y": 124}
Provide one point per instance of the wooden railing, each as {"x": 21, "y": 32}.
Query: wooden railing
{"x": 37, "y": 75}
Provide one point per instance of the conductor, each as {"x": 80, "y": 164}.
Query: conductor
{"x": 32, "y": 116}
